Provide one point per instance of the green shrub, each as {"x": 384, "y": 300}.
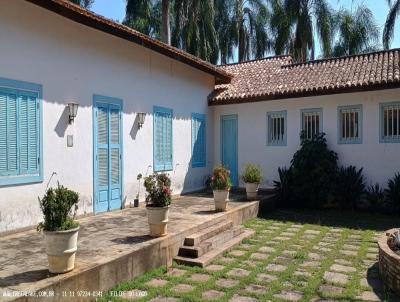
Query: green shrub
{"x": 392, "y": 193}
{"x": 313, "y": 173}
{"x": 158, "y": 187}
{"x": 220, "y": 180}
{"x": 252, "y": 174}
{"x": 282, "y": 187}
{"x": 56, "y": 206}
{"x": 349, "y": 187}
{"x": 375, "y": 196}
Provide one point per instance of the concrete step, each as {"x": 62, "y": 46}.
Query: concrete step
{"x": 206, "y": 233}
{"x": 211, "y": 243}
{"x": 205, "y": 259}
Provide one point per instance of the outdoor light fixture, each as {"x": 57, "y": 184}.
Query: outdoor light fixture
{"x": 73, "y": 110}
{"x": 141, "y": 116}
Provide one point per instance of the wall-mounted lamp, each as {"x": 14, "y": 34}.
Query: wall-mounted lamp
{"x": 73, "y": 110}
{"x": 141, "y": 116}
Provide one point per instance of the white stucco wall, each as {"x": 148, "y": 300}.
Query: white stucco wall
{"x": 380, "y": 161}
{"x": 73, "y": 62}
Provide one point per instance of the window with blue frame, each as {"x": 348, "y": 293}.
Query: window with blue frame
{"x": 162, "y": 145}
{"x": 311, "y": 122}
{"x": 20, "y": 132}
{"x": 276, "y": 128}
{"x": 198, "y": 140}
{"x": 390, "y": 122}
{"x": 350, "y": 124}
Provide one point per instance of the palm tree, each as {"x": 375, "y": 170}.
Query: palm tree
{"x": 84, "y": 3}
{"x": 295, "y": 29}
{"x": 142, "y": 15}
{"x": 166, "y": 29}
{"x": 225, "y": 27}
{"x": 388, "y": 32}
{"x": 357, "y": 32}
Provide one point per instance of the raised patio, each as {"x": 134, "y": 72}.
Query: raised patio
{"x": 113, "y": 247}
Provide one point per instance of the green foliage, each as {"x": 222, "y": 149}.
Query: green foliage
{"x": 375, "y": 196}
{"x": 252, "y": 174}
{"x": 392, "y": 193}
{"x": 221, "y": 179}
{"x": 313, "y": 173}
{"x": 56, "y": 206}
{"x": 282, "y": 187}
{"x": 144, "y": 16}
{"x": 158, "y": 187}
{"x": 349, "y": 187}
{"x": 84, "y": 3}
{"x": 389, "y": 30}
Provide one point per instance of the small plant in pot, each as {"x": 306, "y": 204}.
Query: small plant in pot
{"x": 252, "y": 177}
{"x": 59, "y": 206}
{"x": 158, "y": 199}
{"x": 221, "y": 184}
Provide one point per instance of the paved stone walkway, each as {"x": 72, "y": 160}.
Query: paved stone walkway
{"x": 284, "y": 261}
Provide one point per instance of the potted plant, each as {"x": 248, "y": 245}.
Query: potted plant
{"x": 158, "y": 199}
{"x": 136, "y": 200}
{"x": 252, "y": 177}
{"x": 59, "y": 227}
{"x": 221, "y": 184}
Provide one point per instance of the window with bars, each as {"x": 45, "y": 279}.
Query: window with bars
{"x": 162, "y": 146}
{"x": 390, "y": 122}
{"x": 276, "y": 128}
{"x": 198, "y": 140}
{"x": 311, "y": 122}
{"x": 350, "y": 124}
{"x": 20, "y": 137}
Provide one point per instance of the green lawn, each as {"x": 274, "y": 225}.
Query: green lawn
{"x": 293, "y": 256}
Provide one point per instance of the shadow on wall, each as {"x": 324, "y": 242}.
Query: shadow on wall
{"x": 62, "y": 123}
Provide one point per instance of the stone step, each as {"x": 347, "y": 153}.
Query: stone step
{"x": 197, "y": 238}
{"x": 205, "y": 259}
{"x": 211, "y": 243}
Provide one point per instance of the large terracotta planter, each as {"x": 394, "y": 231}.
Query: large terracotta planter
{"x": 61, "y": 248}
{"x": 251, "y": 190}
{"x": 158, "y": 220}
{"x": 221, "y": 198}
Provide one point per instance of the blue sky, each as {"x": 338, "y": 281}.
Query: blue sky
{"x": 115, "y": 9}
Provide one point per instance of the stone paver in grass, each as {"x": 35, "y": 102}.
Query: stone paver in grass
{"x": 289, "y": 253}
{"x": 343, "y": 269}
{"x": 237, "y": 253}
{"x": 266, "y": 249}
{"x": 349, "y": 253}
{"x": 237, "y": 298}
{"x": 238, "y": 272}
{"x": 182, "y": 288}
{"x": 227, "y": 283}
{"x": 163, "y": 299}
{"x": 157, "y": 283}
{"x": 330, "y": 290}
{"x": 350, "y": 247}
{"x": 245, "y": 246}
{"x": 337, "y": 278}
{"x": 176, "y": 272}
{"x": 372, "y": 256}
{"x": 212, "y": 295}
{"x": 265, "y": 277}
{"x": 251, "y": 263}
{"x": 343, "y": 262}
{"x": 287, "y": 234}
{"x": 313, "y": 264}
{"x": 215, "y": 268}
{"x": 199, "y": 277}
{"x": 276, "y": 267}
{"x": 289, "y": 295}
{"x": 312, "y": 232}
{"x": 255, "y": 288}
{"x": 226, "y": 260}
{"x": 259, "y": 256}
{"x": 304, "y": 274}
{"x": 283, "y": 238}
{"x": 283, "y": 260}
{"x": 315, "y": 256}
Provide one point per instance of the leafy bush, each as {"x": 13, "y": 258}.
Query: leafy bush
{"x": 252, "y": 174}
{"x": 221, "y": 179}
{"x": 56, "y": 206}
{"x": 282, "y": 187}
{"x": 158, "y": 187}
{"x": 313, "y": 170}
{"x": 375, "y": 196}
{"x": 392, "y": 193}
{"x": 349, "y": 187}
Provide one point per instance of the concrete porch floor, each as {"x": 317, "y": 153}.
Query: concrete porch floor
{"x": 112, "y": 247}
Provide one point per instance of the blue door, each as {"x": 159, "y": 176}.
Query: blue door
{"x": 107, "y": 154}
{"x": 229, "y": 145}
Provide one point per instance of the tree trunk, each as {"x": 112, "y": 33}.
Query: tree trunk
{"x": 165, "y": 30}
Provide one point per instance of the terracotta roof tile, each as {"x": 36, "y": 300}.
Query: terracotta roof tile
{"x": 277, "y": 77}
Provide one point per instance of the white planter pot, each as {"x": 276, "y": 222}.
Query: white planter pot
{"x": 251, "y": 190}
{"x": 221, "y": 198}
{"x": 158, "y": 219}
{"x": 61, "y": 248}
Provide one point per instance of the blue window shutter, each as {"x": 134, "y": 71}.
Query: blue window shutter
{"x": 198, "y": 140}
{"x": 163, "y": 156}
{"x": 12, "y": 134}
{"x": 3, "y": 133}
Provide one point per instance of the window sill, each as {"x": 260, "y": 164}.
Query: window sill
{"x": 20, "y": 180}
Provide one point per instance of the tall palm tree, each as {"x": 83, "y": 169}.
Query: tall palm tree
{"x": 388, "y": 32}
{"x": 84, "y": 3}
{"x": 225, "y": 27}
{"x": 166, "y": 27}
{"x": 194, "y": 29}
{"x": 357, "y": 32}
{"x": 295, "y": 30}
{"x": 143, "y": 16}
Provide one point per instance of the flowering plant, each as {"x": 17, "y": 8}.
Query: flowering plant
{"x": 220, "y": 179}
{"x": 158, "y": 187}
